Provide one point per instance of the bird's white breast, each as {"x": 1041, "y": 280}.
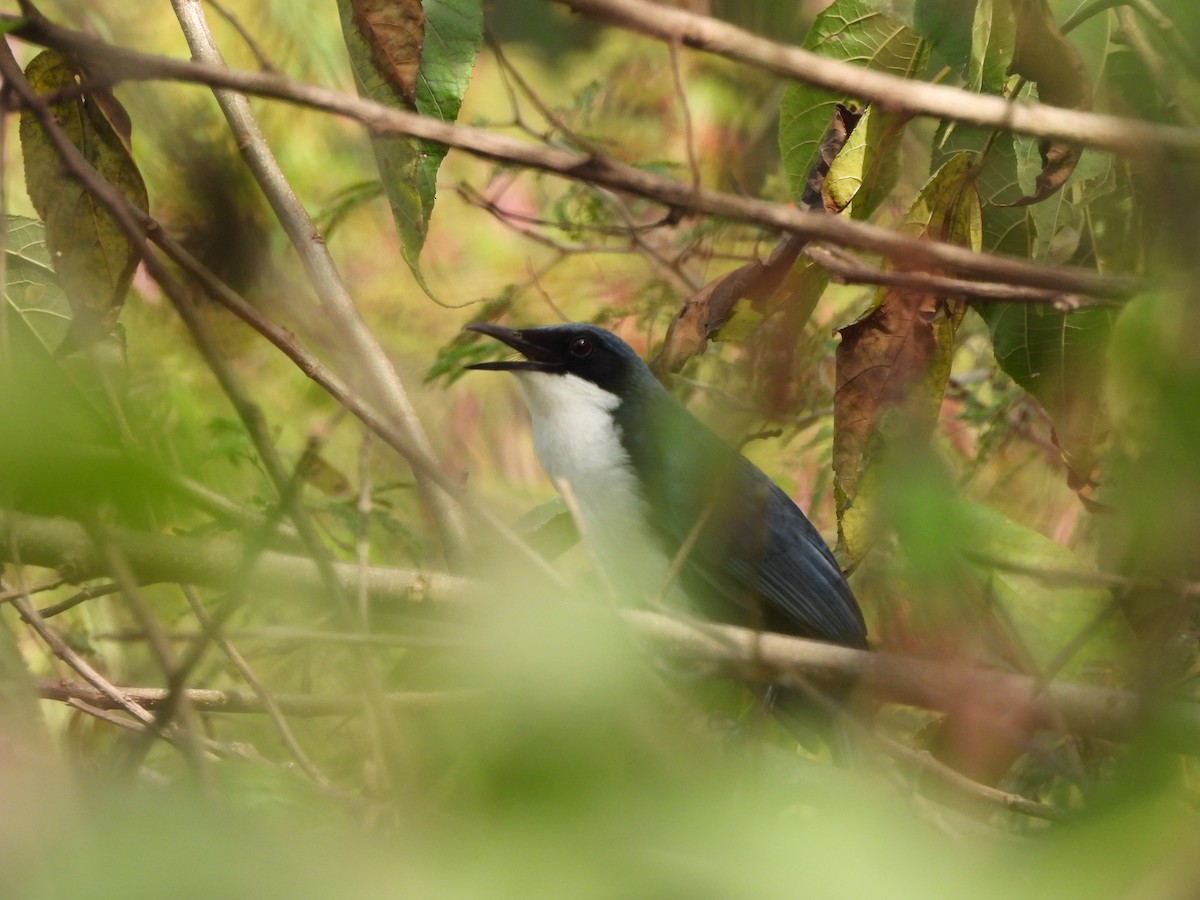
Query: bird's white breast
{"x": 577, "y": 441}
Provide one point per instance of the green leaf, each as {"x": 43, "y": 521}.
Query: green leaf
{"x": 851, "y": 31}
{"x": 93, "y": 259}
{"x": 946, "y": 26}
{"x": 1006, "y": 228}
{"x": 1059, "y": 359}
{"x": 1046, "y": 615}
{"x": 993, "y": 35}
{"x": 32, "y": 292}
{"x": 418, "y": 57}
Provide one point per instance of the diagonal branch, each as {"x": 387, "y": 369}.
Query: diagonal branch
{"x": 122, "y": 64}
{"x": 382, "y": 381}
{"x": 1129, "y": 137}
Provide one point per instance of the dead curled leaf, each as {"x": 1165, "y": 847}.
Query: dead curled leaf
{"x": 1044, "y": 56}
{"x": 893, "y": 361}
{"x": 706, "y": 311}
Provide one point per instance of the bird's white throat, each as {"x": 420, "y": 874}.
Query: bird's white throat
{"x": 578, "y": 441}
{"x": 574, "y": 432}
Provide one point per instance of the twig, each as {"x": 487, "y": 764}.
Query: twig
{"x": 206, "y": 700}
{"x": 265, "y": 697}
{"x": 63, "y": 651}
{"x": 29, "y": 590}
{"x": 192, "y": 738}
{"x": 686, "y": 113}
{"x": 845, "y": 269}
{"x": 929, "y": 764}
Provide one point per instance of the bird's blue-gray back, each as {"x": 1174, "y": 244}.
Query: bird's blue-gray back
{"x": 757, "y": 555}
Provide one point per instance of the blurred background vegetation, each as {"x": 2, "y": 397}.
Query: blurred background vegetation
{"x": 518, "y": 738}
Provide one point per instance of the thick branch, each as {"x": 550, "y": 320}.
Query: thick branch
{"x": 778, "y": 659}
{"x": 1129, "y": 137}
{"x": 119, "y": 63}
{"x": 156, "y": 558}
{"x": 738, "y": 652}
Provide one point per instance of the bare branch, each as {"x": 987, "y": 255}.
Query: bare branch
{"x": 213, "y": 701}
{"x": 156, "y": 558}
{"x": 1126, "y": 136}
{"x": 846, "y": 269}
{"x": 742, "y": 653}
{"x": 119, "y": 63}
{"x": 764, "y": 658}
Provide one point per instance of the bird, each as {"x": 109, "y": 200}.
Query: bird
{"x": 648, "y": 480}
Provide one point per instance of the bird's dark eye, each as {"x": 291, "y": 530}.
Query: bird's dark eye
{"x": 581, "y": 347}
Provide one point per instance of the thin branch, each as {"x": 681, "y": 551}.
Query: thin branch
{"x": 265, "y": 697}
{"x": 931, "y": 765}
{"x": 292, "y": 636}
{"x": 214, "y": 701}
{"x": 53, "y": 641}
{"x": 764, "y": 658}
{"x": 685, "y": 112}
{"x": 846, "y": 269}
{"x": 119, "y": 63}
{"x": 341, "y": 314}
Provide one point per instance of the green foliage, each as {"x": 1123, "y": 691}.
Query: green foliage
{"x": 510, "y": 736}
{"x": 850, "y": 31}
{"x": 94, "y": 258}
{"x": 416, "y": 56}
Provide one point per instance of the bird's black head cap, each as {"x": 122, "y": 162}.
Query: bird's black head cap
{"x": 586, "y": 351}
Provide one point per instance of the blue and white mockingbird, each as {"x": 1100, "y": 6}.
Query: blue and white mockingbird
{"x": 647, "y": 478}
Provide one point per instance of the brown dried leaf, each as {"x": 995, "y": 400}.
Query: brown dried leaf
{"x": 840, "y": 128}
{"x": 395, "y": 32}
{"x": 893, "y": 362}
{"x": 710, "y": 308}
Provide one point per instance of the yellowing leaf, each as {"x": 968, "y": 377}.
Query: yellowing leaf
{"x": 852, "y": 31}
{"x": 92, "y": 258}
{"x": 866, "y": 169}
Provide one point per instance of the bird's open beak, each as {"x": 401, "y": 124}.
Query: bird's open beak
{"x": 537, "y": 358}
